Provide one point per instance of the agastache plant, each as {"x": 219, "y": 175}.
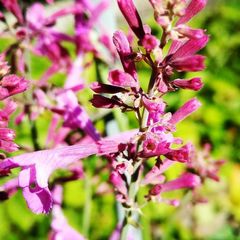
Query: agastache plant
{"x": 128, "y": 154}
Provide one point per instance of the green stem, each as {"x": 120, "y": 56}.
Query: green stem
{"x": 33, "y": 130}
{"x": 125, "y": 229}
{"x": 87, "y": 205}
{"x": 133, "y": 190}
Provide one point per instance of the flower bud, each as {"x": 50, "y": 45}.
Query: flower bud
{"x": 192, "y": 84}
{"x": 187, "y": 180}
{"x": 106, "y": 88}
{"x": 131, "y": 15}
{"x": 99, "y": 101}
{"x": 181, "y": 155}
{"x": 150, "y": 42}
{"x": 155, "y": 190}
{"x": 184, "y": 111}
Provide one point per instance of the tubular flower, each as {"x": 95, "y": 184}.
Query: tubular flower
{"x": 36, "y": 169}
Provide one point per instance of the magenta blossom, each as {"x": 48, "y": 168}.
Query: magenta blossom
{"x": 38, "y": 166}
{"x": 11, "y": 85}
{"x": 7, "y": 135}
{"x": 14, "y": 8}
{"x": 187, "y": 180}
{"x": 131, "y": 14}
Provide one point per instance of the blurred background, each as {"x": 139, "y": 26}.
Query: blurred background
{"x": 217, "y": 122}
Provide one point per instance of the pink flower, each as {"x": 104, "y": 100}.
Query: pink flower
{"x": 84, "y": 26}
{"x": 188, "y": 48}
{"x": 14, "y": 8}
{"x": 184, "y": 111}
{"x": 131, "y": 15}
{"x": 204, "y": 165}
{"x": 116, "y": 234}
{"x": 155, "y": 175}
{"x": 150, "y": 42}
{"x": 192, "y": 84}
{"x": 112, "y": 144}
{"x": 74, "y": 81}
{"x": 186, "y": 180}
{"x": 74, "y": 115}
{"x": 5, "y": 113}
{"x": 125, "y": 52}
{"x": 60, "y": 227}
{"x": 7, "y": 135}
{"x": 11, "y": 85}
{"x": 181, "y": 155}
{"x": 156, "y": 144}
{"x": 193, "y": 8}
{"x": 37, "y": 167}
{"x": 189, "y": 32}
{"x": 122, "y": 79}
{"x": 192, "y": 63}
{"x": 155, "y": 105}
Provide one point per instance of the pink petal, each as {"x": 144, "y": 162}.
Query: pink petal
{"x": 39, "y": 200}
{"x": 122, "y": 79}
{"x": 190, "y": 47}
{"x": 124, "y": 50}
{"x": 193, "y": 8}
{"x": 130, "y": 13}
{"x": 184, "y": 111}
{"x": 187, "y": 180}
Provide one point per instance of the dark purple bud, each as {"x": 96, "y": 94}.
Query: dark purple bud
{"x": 99, "y": 101}
{"x": 106, "y": 88}
{"x": 3, "y": 196}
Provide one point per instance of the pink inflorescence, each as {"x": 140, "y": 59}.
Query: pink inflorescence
{"x": 135, "y": 159}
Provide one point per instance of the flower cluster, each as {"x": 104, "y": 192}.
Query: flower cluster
{"x": 155, "y": 139}
{"x": 10, "y": 84}
{"x": 128, "y": 154}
